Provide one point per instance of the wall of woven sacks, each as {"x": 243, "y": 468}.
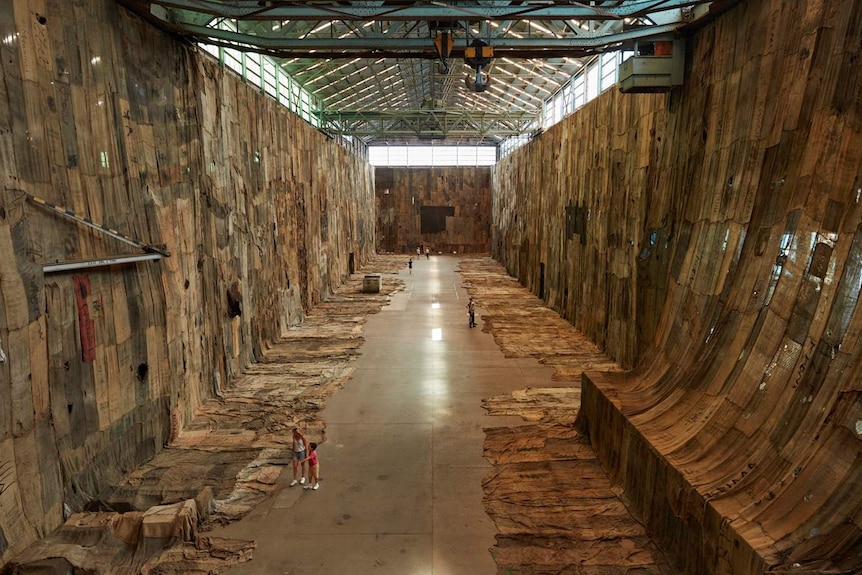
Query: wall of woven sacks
{"x": 261, "y": 214}
{"x": 444, "y": 209}
{"x": 709, "y": 238}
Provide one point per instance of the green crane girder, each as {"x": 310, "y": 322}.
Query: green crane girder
{"x": 420, "y": 11}
{"x": 426, "y": 123}
{"x": 373, "y": 47}
{"x": 380, "y": 55}
{"x": 195, "y": 18}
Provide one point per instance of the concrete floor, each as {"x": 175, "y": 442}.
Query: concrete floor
{"x": 402, "y": 467}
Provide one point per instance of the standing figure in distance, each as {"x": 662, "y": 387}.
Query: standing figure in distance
{"x": 427, "y": 254}
{"x": 471, "y": 310}
{"x": 313, "y": 468}
{"x": 299, "y": 445}
{"x": 410, "y": 265}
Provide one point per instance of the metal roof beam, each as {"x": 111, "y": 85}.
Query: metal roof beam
{"x": 423, "y": 113}
{"x": 427, "y": 123}
{"x": 459, "y": 10}
{"x": 419, "y": 47}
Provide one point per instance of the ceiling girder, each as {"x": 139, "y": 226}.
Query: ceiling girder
{"x": 423, "y": 47}
{"x": 426, "y": 123}
{"x": 538, "y": 46}
{"x": 438, "y": 11}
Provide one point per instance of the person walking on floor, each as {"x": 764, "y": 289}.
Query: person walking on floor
{"x": 410, "y": 265}
{"x": 299, "y": 459}
{"x": 471, "y": 310}
{"x": 427, "y": 254}
{"x": 313, "y": 468}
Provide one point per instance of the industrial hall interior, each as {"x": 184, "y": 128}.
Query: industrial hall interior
{"x": 464, "y": 287}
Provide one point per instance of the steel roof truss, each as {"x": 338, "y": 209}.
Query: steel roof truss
{"x": 492, "y": 10}
{"x": 346, "y": 47}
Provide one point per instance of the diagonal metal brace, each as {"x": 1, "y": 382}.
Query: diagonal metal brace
{"x": 70, "y": 215}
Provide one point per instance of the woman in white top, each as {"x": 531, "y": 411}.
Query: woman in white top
{"x": 299, "y": 443}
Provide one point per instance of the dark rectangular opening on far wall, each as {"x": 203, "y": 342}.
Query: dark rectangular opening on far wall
{"x": 576, "y": 222}
{"x": 434, "y": 218}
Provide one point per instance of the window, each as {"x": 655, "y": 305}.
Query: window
{"x": 592, "y": 81}
{"x": 559, "y": 106}
{"x": 432, "y": 155}
{"x": 579, "y": 90}
{"x": 609, "y": 70}
{"x": 265, "y": 74}
{"x": 269, "y": 81}
{"x": 596, "y": 77}
{"x": 252, "y": 68}
{"x": 446, "y": 156}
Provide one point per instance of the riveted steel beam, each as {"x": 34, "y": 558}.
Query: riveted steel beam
{"x": 427, "y": 123}
{"x": 103, "y": 262}
{"x": 420, "y": 47}
{"x": 438, "y": 11}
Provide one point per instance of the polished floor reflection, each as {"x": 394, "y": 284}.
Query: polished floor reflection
{"x": 402, "y": 467}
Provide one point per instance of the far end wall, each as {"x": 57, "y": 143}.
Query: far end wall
{"x": 444, "y": 209}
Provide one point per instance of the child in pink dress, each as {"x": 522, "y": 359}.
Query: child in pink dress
{"x": 313, "y": 468}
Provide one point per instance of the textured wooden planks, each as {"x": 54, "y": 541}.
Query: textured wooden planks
{"x": 401, "y": 193}
{"x": 736, "y": 403}
{"x": 171, "y": 149}
{"x": 229, "y": 457}
{"x": 740, "y": 281}
{"x": 555, "y": 508}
